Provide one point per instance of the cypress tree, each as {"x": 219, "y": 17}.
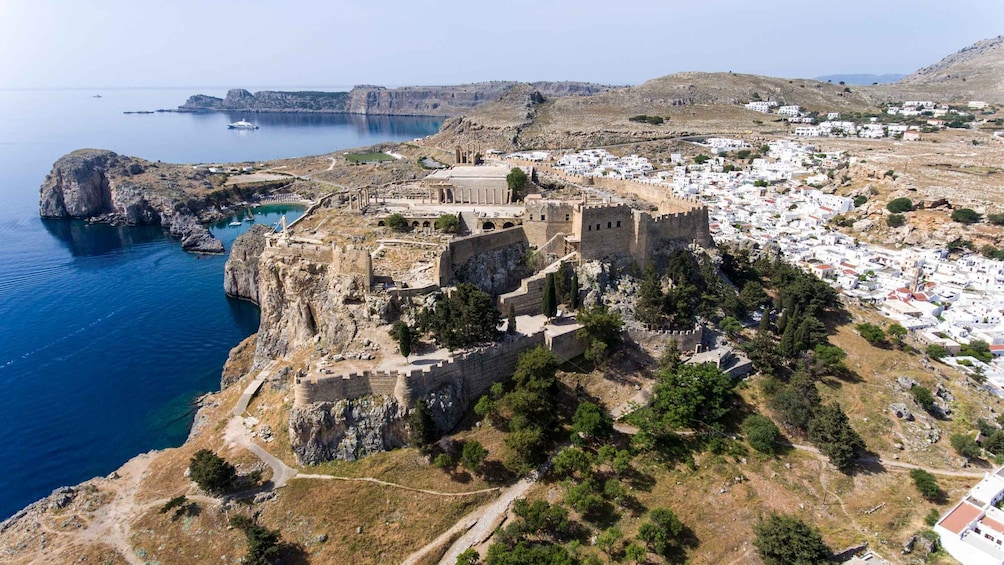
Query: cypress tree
{"x": 511, "y": 326}
{"x": 549, "y": 307}
{"x": 573, "y": 291}
{"x": 404, "y": 340}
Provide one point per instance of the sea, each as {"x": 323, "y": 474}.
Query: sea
{"x": 108, "y": 334}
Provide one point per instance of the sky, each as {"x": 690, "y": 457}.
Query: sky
{"x": 324, "y": 43}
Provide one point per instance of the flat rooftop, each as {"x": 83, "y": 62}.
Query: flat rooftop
{"x": 471, "y": 172}
{"x": 985, "y": 490}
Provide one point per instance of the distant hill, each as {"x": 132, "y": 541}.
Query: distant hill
{"x": 973, "y": 73}
{"x": 862, "y": 79}
{"x": 378, "y": 100}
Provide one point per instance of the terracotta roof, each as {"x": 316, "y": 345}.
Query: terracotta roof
{"x": 959, "y": 518}
{"x": 992, "y": 523}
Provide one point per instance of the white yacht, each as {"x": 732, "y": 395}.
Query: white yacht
{"x": 243, "y": 124}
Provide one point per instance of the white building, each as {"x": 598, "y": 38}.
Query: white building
{"x": 973, "y": 532}
{"x": 790, "y": 111}
{"x": 759, "y": 107}
{"x": 808, "y": 131}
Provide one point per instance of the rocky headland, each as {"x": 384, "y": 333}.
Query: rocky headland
{"x": 104, "y": 187}
{"x": 379, "y": 100}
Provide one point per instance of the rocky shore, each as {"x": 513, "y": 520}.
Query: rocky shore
{"x": 104, "y": 187}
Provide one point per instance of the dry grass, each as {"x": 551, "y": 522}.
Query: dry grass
{"x": 394, "y": 522}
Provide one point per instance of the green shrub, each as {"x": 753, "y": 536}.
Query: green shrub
{"x": 926, "y": 484}
{"x": 211, "y": 472}
{"x": 900, "y": 205}
{"x": 397, "y": 222}
{"x": 761, "y": 433}
{"x": 783, "y": 540}
{"x": 859, "y": 200}
{"x": 924, "y": 398}
{"x": 966, "y": 216}
{"x": 895, "y": 220}
{"x": 936, "y": 351}
{"x": 448, "y": 223}
{"x": 966, "y": 446}
{"x": 996, "y": 219}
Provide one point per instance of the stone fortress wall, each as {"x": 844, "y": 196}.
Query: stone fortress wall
{"x": 476, "y": 370}
{"x": 593, "y": 231}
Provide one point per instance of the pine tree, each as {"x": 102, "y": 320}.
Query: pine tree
{"x": 511, "y": 326}
{"x": 549, "y": 306}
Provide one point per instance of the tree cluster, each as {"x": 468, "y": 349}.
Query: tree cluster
{"x": 211, "y": 472}
{"x": 465, "y": 317}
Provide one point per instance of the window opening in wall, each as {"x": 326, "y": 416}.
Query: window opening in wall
{"x": 610, "y": 225}
{"x": 566, "y": 217}
{"x": 618, "y": 223}
{"x": 543, "y": 217}
{"x": 531, "y": 217}
{"x": 590, "y": 228}
{"x": 597, "y": 227}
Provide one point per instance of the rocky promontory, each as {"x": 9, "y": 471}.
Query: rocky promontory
{"x": 379, "y": 100}
{"x": 240, "y": 274}
{"x": 105, "y": 187}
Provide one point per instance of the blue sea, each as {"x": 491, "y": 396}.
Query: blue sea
{"x": 107, "y": 334}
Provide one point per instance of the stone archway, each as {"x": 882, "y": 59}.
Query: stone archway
{"x": 508, "y": 225}
{"x": 488, "y": 226}
{"x": 425, "y": 224}
{"x": 414, "y": 224}
{"x": 381, "y": 223}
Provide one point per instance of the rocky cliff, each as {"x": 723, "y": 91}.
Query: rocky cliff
{"x": 303, "y": 301}
{"x": 103, "y": 186}
{"x": 240, "y": 274}
{"x": 378, "y": 100}
{"x": 350, "y": 429}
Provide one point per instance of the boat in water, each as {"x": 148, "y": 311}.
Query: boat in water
{"x": 243, "y": 124}
{"x": 234, "y": 224}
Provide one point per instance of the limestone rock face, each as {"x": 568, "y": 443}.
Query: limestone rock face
{"x": 97, "y": 185}
{"x": 496, "y": 272}
{"x": 346, "y": 430}
{"x": 78, "y": 186}
{"x": 350, "y": 429}
{"x": 240, "y": 274}
{"x": 302, "y": 301}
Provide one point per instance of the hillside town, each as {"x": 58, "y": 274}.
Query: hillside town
{"x": 941, "y": 299}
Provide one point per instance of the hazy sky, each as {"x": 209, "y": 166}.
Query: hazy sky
{"x": 248, "y": 43}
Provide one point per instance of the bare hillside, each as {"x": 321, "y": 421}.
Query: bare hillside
{"x": 974, "y": 73}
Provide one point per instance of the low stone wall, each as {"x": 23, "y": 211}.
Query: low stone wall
{"x": 656, "y": 340}
{"x": 478, "y": 370}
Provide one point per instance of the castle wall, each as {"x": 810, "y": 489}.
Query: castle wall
{"x": 527, "y": 299}
{"x": 547, "y": 218}
{"x": 355, "y": 262}
{"x": 478, "y": 370}
{"x": 462, "y": 249}
{"x": 656, "y": 340}
{"x": 604, "y": 230}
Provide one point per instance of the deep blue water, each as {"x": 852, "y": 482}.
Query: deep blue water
{"x": 107, "y": 334}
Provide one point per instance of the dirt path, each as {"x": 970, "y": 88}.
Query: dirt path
{"x": 478, "y": 524}
{"x": 111, "y": 525}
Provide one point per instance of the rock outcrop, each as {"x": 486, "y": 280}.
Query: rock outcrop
{"x": 103, "y": 186}
{"x": 240, "y": 274}
{"x": 346, "y": 430}
{"x": 303, "y": 301}
{"x": 350, "y": 429}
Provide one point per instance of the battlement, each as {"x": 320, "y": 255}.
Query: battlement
{"x": 472, "y": 371}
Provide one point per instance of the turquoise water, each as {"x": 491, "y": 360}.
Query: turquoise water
{"x": 107, "y": 334}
